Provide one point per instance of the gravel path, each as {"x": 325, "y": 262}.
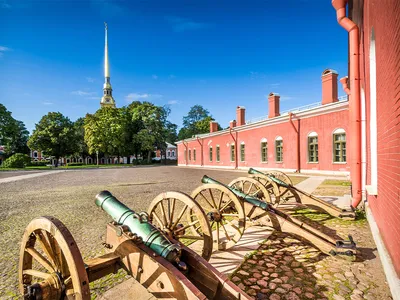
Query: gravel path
{"x": 7, "y": 174}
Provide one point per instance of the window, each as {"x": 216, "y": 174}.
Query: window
{"x": 339, "y": 146}
{"x": 313, "y": 147}
{"x": 168, "y": 153}
{"x": 173, "y": 153}
{"x": 242, "y": 152}
{"x": 190, "y": 154}
{"x": 35, "y": 154}
{"x": 217, "y": 154}
{"x": 211, "y": 154}
{"x": 184, "y": 154}
{"x": 279, "y": 149}
{"x": 264, "y": 152}
{"x": 232, "y": 152}
{"x": 194, "y": 154}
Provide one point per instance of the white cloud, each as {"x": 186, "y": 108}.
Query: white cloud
{"x": 145, "y": 96}
{"x": 47, "y": 103}
{"x": 154, "y": 76}
{"x": 185, "y": 24}
{"x": 172, "y": 102}
{"x": 93, "y": 98}
{"x": 3, "y": 49}
{"x": 82, "y": 93}
{"x": 90, "y": 79}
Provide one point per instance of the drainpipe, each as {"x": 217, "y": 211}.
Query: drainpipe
{"x": 298, "y": 139}
{"x": 201, "y": 147}
{"x": 354, "y": 101}
{"x": 186, "y": 146}
{"x": 345, "y": 84}
{"x": 236, "y": 150}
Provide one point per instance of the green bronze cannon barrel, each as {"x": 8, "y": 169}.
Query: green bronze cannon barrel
{"x": 272, "y": 177}
{"x": 238, "y": 193}
{"x": 151, "y": 236}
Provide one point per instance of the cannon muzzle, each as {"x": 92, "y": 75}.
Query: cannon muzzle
{"x": 138, "y": 223}
{"x": 254, "y": 171}
{"x": 270, "y": 176}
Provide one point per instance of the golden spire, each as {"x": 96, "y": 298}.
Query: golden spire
{"x": 107, "y": 99}
{"x": 106, "y": 68}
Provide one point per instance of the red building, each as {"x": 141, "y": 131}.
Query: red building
{"x": 373, "y": 86}
{"x": 311, "y": 139}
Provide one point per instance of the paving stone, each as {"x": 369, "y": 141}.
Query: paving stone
{"x": 349, "y": 274}
{"x": 338, "y": 297}
{"x": 265, "y": 273}
{"x": 340, "y": 276}
{"x": 269, "y": 265}
{"x": 297, "y": 290}
{"x": 250, "y": 261}
{"x": 274, "y": 275}
{"x": 252, "y": 280}
{"x": 298, "y": 270}
{"x": 274, "y": 297}
{"x": 277, "y": 280}
{"x": 285, "y": 279}
{"x": 272, "y": 285}
{"x": 295, "y": 264}
{"x": 357, "y": 291}
{"x": 356, "y": 297}
{"x": 264, "y": 291}
{"x": 244, "y": 273}
{"x": 235, "y": 279}
{"x": 287, "y": 286}
{"x": 280, "y": 290}
{"x": 251, "y": 292}
{"x": 261, "y": 296}
{"x": 309, "y": 295}
{"x": 256, "y": 287}
{"x": 262, "y": 283}
{"x": 257, "y": 275}
{"x": 241, "y": 286}
{"x": 292, "y": 296}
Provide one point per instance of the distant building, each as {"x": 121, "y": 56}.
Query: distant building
{"x": 171, "y": 153}
{"x": 2, "y": 154}
{"x": 313, "y": 138}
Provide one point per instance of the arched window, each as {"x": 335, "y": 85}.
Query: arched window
{"x": 232, "y": 152}
{"x": 210, "y": 153}
{"x": 35, "y": 154}
{"x": 242, "y": 152}
{"x": 264, "y": 150}
{"x": 339, "y": 145}
{"x": 279, "y": 149}
{"x": 217, "y": 154}
{"x": 313, "y": 147}
{"x": 190, "y": 154}
{"x": 173, "y": 153}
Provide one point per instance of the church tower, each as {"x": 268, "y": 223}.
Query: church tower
{"x": 107, "y": 100}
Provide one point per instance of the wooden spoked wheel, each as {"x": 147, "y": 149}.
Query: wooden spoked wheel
{"x": 178, "y": 215}
{"x": 281, "y": 176}
{"x": 225, "y": 213}
{"x": 271, "y": 187}
{"x": 51, "y": 265}
{"x": 251, "y": 187}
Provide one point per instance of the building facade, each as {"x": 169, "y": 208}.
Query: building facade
{"x": 309, "y": 139}
{"x": 373, "y": 85}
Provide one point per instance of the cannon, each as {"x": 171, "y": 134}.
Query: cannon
{"x": 229, "y": 209}
{"x": 51, "y": 265}
{"x": 282, "y": 192}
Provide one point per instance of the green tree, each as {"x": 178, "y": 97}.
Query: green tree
{"x": 106, "y": 131}
{"x": 151, "y": 122}
{"x": 13, "y": 134}
{"x": 55, "y": 135}
{"x": 197, "y": 121}
{"x": 82, "y": 148}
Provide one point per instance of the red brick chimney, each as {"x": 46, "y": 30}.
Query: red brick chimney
{"x": 213, "y": 126}
{"x": 232, "y": 124}
{"x": 240, "y": 115}
{"x": 329, "y": 86}
{"x": 273, "y": 100}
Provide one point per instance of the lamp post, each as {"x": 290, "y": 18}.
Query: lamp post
{"x": 97, "y": 154}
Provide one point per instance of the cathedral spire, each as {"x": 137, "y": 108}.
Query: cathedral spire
{"x": 107, "y": 99}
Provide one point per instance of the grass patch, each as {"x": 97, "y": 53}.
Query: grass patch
{"x": 297, "y": 179}
{"x": 336, "y": 182}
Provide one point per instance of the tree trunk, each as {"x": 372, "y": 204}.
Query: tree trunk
{"x": 149, "y": 157}
{"x": 57, "y": 158}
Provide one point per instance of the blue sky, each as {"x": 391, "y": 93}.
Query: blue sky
{"x": 219, "y": 54}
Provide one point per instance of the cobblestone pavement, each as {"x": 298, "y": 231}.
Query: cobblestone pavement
{"x": 288, "y": 268}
